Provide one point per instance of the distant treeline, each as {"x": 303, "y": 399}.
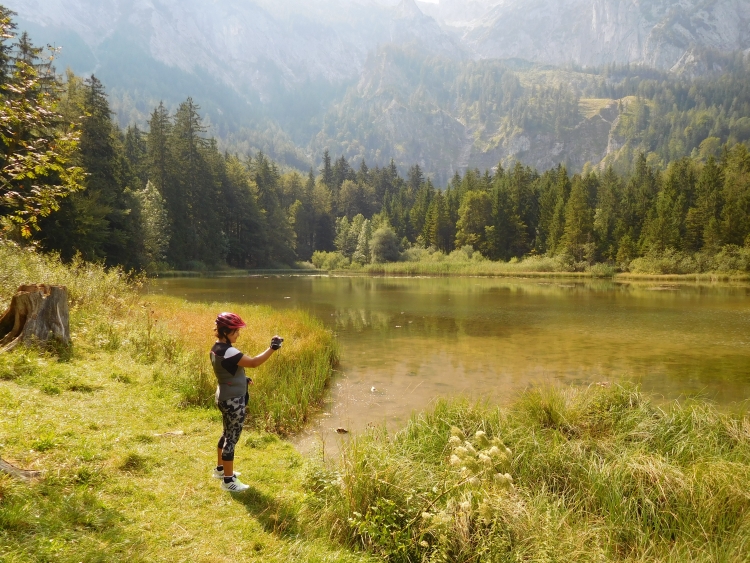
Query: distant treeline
{"x": 74, "y": 182}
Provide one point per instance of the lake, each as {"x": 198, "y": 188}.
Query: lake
{"x": 406, "y": 341}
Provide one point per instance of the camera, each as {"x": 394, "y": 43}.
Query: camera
{"x": 276, "y": 342}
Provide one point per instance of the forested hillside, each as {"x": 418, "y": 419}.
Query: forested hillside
{"x": 449, "y": 115}
{"x": 436, "y": 84}
{"x": 74, "y": 182}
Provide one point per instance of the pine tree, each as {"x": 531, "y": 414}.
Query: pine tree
{"x": 579, "y": 221}
{"x": 559, "y": 195}
{"x": 475, "y": 215}
{"x": 606, "y": 214}
{"x": 735, "y": 195}
{"x": 280, "y": 233}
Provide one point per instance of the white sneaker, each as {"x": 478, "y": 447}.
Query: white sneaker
{"x": 235, "y": 485}
{"x": 220, "y": 474}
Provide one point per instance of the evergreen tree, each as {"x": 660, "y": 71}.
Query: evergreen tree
{"x": 280, "y": 233}
{"x": 475, "y": 215}
{"x": 154, "y": 225}
{"x": 579, "y": 221}
{"x": 606, "y": 213}
{"x": 735, "y": 195}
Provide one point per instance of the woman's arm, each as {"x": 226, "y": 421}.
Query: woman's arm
{"x": 248, "y": 362}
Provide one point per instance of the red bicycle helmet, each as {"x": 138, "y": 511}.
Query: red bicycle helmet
{"x": 230, "y": 320}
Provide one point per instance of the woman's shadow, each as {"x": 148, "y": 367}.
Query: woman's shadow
{"x": 275, "y": 517}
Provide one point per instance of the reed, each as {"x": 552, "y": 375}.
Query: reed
{"x": 598, "y": 474}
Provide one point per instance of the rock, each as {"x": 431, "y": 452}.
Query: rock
{"x": 340, "y": 430}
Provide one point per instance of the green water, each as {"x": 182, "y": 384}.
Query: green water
{"x": 406, "y": 341}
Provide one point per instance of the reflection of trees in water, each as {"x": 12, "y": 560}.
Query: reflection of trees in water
{"x": 356, "y": 320}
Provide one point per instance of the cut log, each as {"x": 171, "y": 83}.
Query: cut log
{"x": 38, "y": 314}
{"x": 6, "y": 467}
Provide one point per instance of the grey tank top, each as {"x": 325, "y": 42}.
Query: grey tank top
{"x": 230, "y": 378}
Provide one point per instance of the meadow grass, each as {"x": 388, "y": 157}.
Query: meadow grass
{"x": 120, "y": 431}
{"x": 599, "y": 474}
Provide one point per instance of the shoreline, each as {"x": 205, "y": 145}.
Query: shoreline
{"x": 409, "y": 272}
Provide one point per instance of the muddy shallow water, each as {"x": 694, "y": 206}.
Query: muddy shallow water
{"x": 406, "y": 341}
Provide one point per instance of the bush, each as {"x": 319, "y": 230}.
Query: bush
{"x": 384, "y": 246}
{"x": 669, "y": 261}
{"x": 329, "y": 260}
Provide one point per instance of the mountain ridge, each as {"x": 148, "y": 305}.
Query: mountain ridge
{"x": 295, "y": 78}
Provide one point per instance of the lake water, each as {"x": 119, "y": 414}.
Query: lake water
{"x": 406, "y": 341}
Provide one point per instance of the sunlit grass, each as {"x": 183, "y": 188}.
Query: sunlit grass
{"x": 286, "y": 388}
{"x": 126, "y": 473}
{"x": 599, "y": 475}
{"x": 125, "y": 437}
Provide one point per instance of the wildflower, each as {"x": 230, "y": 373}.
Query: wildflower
{"x": 474, "y": 481}
{"x": 454, "y": 441}
{"x": 485, "y": 459}
{"x": 471, "y": 464}
{"x": 465, "y": 505}
{"x": 494, "y": 451}
{"x": 508, "y": 452}
{"x": 458, "y": 433}
{"x": 455, "y": 460}
{"x": 503, "y": 480}
{"x": 470, "y": 448}
{"x": 481, "y": 439}
{"x": 485, "y": 511}
{"x": 423, "y": 543}
{"x": 426, "y": 515}
{"x": 461, "y": 452}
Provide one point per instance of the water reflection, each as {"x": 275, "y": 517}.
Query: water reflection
{"x": 407, "y": 340}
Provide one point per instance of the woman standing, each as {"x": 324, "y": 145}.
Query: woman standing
{"x": 231, "y": 392}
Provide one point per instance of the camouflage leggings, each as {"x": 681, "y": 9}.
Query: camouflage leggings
{"x": 233, "y": 416}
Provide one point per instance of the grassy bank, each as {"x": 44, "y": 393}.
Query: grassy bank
{"x": 416, "y": 269}
{"x": 732, "y": 263}
{"x": 120, "y": 432}
{"x": 592, "y": 475}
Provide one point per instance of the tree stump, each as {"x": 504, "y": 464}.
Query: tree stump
{"x": 38, "y": 314}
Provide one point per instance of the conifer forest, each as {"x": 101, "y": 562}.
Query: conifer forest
{"x": 168, "y": 197}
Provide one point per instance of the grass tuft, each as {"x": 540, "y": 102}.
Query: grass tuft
{"x": 597, "y": 474}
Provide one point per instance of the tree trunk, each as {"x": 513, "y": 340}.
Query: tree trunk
{"x": 6, "y": 467}
{"x": 38, "y": 314}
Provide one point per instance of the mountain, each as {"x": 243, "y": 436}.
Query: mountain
{"x": 656, "y": 33}
{"x": 450, "y": 85}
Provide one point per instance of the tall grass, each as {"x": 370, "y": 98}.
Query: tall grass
{"x": 286, "y": 389}
{"x": 599, "y": 474}
{"x": 174, "y": 336}
{"x": 95, "y": 292}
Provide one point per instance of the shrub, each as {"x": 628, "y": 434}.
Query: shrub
{"x": 384, "y": 246}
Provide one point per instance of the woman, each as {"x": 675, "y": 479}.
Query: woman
{"x": 231, "y": 392}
